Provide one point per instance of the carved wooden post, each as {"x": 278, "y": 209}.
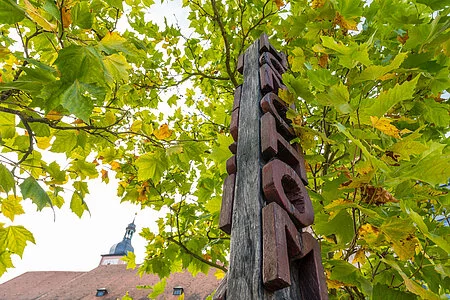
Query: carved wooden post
{"x": 265, "y": 203}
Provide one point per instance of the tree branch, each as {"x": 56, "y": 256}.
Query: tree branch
{"x": 226, "y": 42}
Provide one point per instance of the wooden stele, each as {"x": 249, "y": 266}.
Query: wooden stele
{"x": 265, "y": 203}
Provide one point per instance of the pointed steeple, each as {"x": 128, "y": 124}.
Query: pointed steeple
{"x": 124, "y": 246}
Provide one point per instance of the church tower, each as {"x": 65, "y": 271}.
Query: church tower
{"x": 120, "y": 249}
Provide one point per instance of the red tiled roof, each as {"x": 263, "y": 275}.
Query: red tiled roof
{"x": 115, "y": 278}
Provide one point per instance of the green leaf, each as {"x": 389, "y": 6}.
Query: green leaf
{"x": 81, "y": 15}
{"x": 7, "y": 125}
{"x": 65, "y": 142}
{"x": 349, "y": 56}
{"x": 388, "y": 99}
{"x": 321, "y": 78}
{"x": 435, "y": 113}
{"x": 84, "y": 169}
{"x": 419, "y": 222}
{"x": 375, "y": 72}
{"x": 410, "y": 284}
{"x": 350, "y": 8}
{"x": 77, "y": 204}
{"x": 420, "y": 168}
{"x": 220, "y": 152}
{"x": 384, "y": 292}
{"x": 347, "y": 273}
{"x": 117, "y": 66}
{"x": 152, "y": 165}
{"x": 30, "y": 188}
{"x": 214, "y": 204}
{"x": 158, "y": 289}
{"x": 130, "y": 259}
{"x": 55, "y": 172}
{"x": 338, "y": 97}
{"x": 75, "y": 101}
{"x": 15, "y": 238}
{"x": 82, "y": 63}
{"x": 11, "y": 207}
{"x": 326, "y": 225}
{"x": 7, "y": 181}
{"x": 50, "y": 7}
{"x": 10, "y": 12}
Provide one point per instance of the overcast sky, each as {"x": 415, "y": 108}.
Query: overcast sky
{"x": 72, "y": 244}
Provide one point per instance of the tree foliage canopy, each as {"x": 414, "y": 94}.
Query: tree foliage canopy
{"x": 368, "y": 80}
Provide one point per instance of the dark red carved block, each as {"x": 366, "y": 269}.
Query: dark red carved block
{"x": 270, "y": 79}
{"x": 240, "y": 64}
{"x": 281, "y": 240}
{"x": 282, "y": 243}
{"x": 265, "y": 46}
{"x": 226, "y": 211}
{"x": 282, "y": 185}
{"x": 237, "y": 97}
{"x": 278, "y": 108}
{"x": 234, "y": 124}
{"x": 233, "y": 148}
{"x": 273, "y": 144}
{"x": 231, "y": 165}
{"x": 312, "y": 277}
{"x": 272, "y": 61}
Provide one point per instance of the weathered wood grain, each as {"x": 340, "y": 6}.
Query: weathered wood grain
{"x": 244, "y": 275}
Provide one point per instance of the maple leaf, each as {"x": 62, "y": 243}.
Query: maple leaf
{"x": 384, "y": 125}
{"x": 344, "y": 23}
{"x": 163, "y": 132}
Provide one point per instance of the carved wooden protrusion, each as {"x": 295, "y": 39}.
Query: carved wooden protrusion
{"x": 312, "y": 281}
{"x": 233, "y": 147}
{"x": 273, "y": 104}
{"x": 226, "y": 211}
{"x": 282, "y": 185}
{"x": 231, "y": 165}
{"x": 274, "y": 144}
{"x": 265, "y": 46}
{"x": 281, "y": 241}
{"x": 270, "y": 79}
{"x": 240, "y": 64}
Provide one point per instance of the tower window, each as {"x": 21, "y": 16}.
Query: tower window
{"x": 101, "y": 292}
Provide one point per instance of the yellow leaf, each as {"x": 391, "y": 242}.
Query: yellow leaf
{"x": 387, "y": 76}
{"x": 104, "y": 175}
{"x": 11, "y": 207}
{"x": 348, "y": 24}
{"x": 163, "y": 132}
{"x": 66, "y": 17}
{"x": 219, "y": 274}
{"x": 317, "y": 4}
{"x": 384, "y": 125}
{"x": 279, "y": 3}
{"x": 136, "y": 126}
{"x": 369, "y": 233}
{"x": 360, "y": 257}
{"x": 34, "y": 14}
{"x": 54, "y": 115}
{"x": 114, "y": 165}
{"x": 43, "y": 142}
{"x": 334, "y": 284}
